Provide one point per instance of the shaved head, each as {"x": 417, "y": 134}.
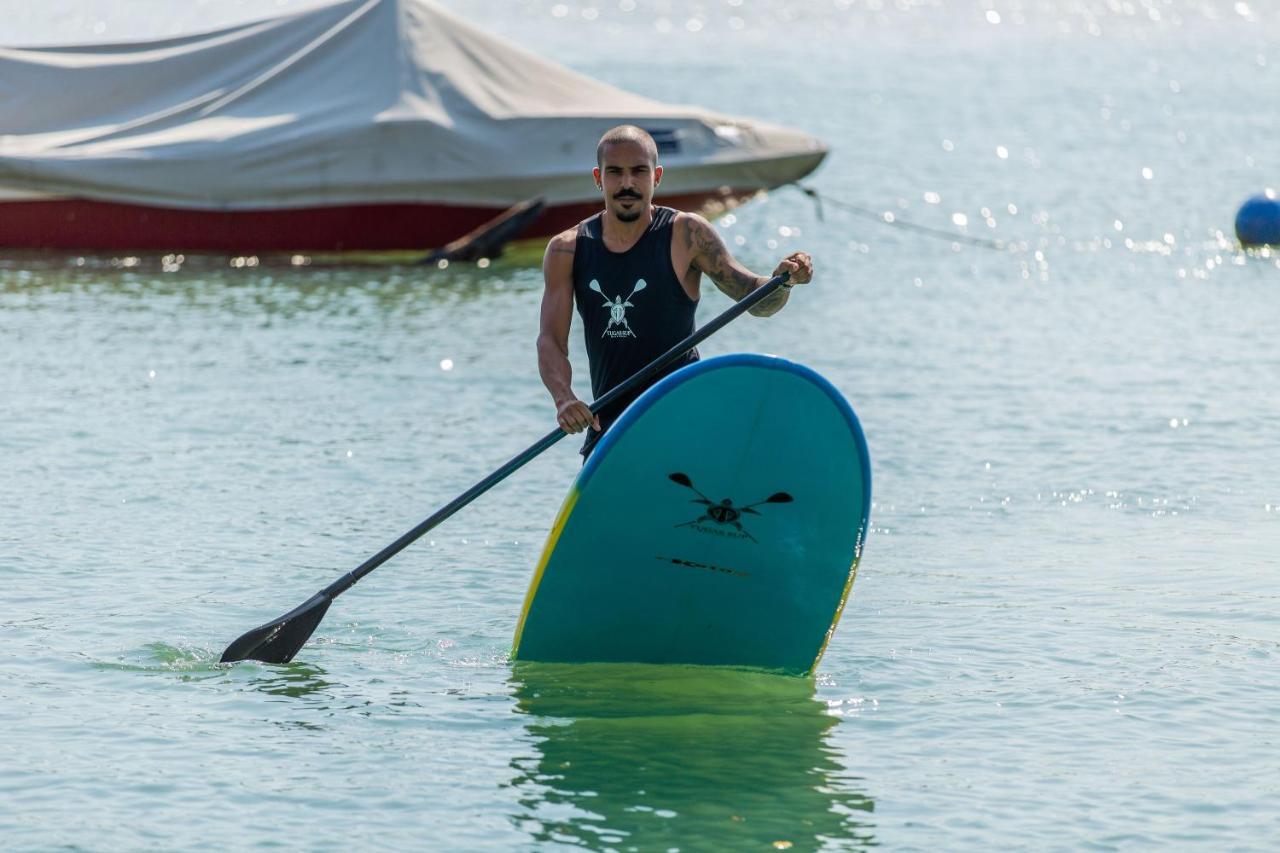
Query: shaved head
{"x": 627, "y": 133}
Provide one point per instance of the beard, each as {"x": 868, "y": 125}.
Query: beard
{"x": 628, "y": 215}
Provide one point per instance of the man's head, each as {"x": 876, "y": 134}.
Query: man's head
{"x": 627, "y": 171}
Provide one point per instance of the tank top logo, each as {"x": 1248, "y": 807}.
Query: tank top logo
{"x": 617, "y": 307}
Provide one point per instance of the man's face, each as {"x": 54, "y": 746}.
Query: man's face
{"x": 627, "y": 178}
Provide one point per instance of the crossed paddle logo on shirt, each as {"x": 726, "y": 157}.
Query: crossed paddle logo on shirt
{"x": 617, "y": 309}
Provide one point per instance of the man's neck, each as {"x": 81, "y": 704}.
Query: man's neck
{"x": 620, "y": 235}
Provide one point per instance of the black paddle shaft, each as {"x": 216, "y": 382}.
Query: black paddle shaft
{"x": 747, "y": 302}
{"x": 279, "y": 640}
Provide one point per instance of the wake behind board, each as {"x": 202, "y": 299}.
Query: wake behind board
{"x": 719, "y": 521}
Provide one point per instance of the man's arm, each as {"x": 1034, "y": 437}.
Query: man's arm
{"x": 710, "y": 256}
{"x": 572, "y": 414}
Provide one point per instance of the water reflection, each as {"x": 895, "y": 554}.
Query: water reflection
{"x": 294, "y": 680}
{"x": 268, "y": 287}
{"x": 645, "y": 757}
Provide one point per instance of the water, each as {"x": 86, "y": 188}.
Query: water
{"x": 1063, "y": 634}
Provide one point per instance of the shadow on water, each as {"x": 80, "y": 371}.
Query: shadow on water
{"x": 264, "y": 291}
{"x": 293, "y": 680}
{"x": 643, "y": 757}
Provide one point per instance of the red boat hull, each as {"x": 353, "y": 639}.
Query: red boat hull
{"x": 86, "y": 225}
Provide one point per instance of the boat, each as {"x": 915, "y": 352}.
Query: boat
{"x": 360, "y": 125}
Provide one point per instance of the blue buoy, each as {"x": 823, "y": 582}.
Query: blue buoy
{"x": 1258, "y": 222}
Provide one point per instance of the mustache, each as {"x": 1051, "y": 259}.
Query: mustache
{"x": 627, "y": 194}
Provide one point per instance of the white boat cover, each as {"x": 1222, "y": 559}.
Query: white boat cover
{"x": 359, "y": 101}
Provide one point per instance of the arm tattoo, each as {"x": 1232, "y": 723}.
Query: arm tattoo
{"x": 711, "y": 256}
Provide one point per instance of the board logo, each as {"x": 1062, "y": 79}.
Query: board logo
{"x": 706, "y": 567}
{"x": 723, "y": 518}
{"x": 617, "y": 308}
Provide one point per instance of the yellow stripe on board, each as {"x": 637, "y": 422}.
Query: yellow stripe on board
{"x": 844, "y": 597}
{"x": 554, "y": 537}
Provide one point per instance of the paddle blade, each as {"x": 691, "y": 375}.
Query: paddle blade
{"x": 279, "y": 640}
{"x": 682, "y": 479}
{"x": 779, "y": 498}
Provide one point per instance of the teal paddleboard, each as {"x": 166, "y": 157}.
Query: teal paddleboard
{"x": 719, "y": 521}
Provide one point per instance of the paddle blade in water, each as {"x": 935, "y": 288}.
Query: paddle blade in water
{"x": 279, "y": 640}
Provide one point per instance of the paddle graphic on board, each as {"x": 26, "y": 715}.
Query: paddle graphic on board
{"x": 724, "y": 513}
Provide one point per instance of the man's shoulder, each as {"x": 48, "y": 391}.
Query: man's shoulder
{"x": 687, "y": 225}
{"x": 687, "y": 220}
{"x": 568, "y": 238}
{"x": 563, "y": 243}
{"x": 558, "y": 259}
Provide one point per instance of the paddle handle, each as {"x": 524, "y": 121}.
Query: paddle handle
{"x": 746, "y": 303}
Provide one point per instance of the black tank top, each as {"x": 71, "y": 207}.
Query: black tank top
{"x": 633, "y": 308}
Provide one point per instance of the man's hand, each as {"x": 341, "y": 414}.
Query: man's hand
{"x": 800, "y": 265}
{"x": 574, "y": 416}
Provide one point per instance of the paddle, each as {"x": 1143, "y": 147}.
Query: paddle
{"x": 279, "y": 640}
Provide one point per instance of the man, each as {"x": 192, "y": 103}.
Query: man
{"x": 634, "y": 271}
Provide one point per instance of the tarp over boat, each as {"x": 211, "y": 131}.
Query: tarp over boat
{"x": 354, "y": 102}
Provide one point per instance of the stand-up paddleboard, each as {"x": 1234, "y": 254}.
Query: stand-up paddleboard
{"x": 719, "y": 521}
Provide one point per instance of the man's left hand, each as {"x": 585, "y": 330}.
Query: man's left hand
{"x": 800, "y": 265}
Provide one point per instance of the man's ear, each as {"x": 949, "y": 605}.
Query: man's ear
{"x": 657, "y": 175}
{"x": 595, "y": 173}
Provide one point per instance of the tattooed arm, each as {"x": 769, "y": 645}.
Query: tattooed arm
{"x": 709, "y": 255}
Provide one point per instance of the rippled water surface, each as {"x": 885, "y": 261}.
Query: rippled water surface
{"x": 1064, "y": 631}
